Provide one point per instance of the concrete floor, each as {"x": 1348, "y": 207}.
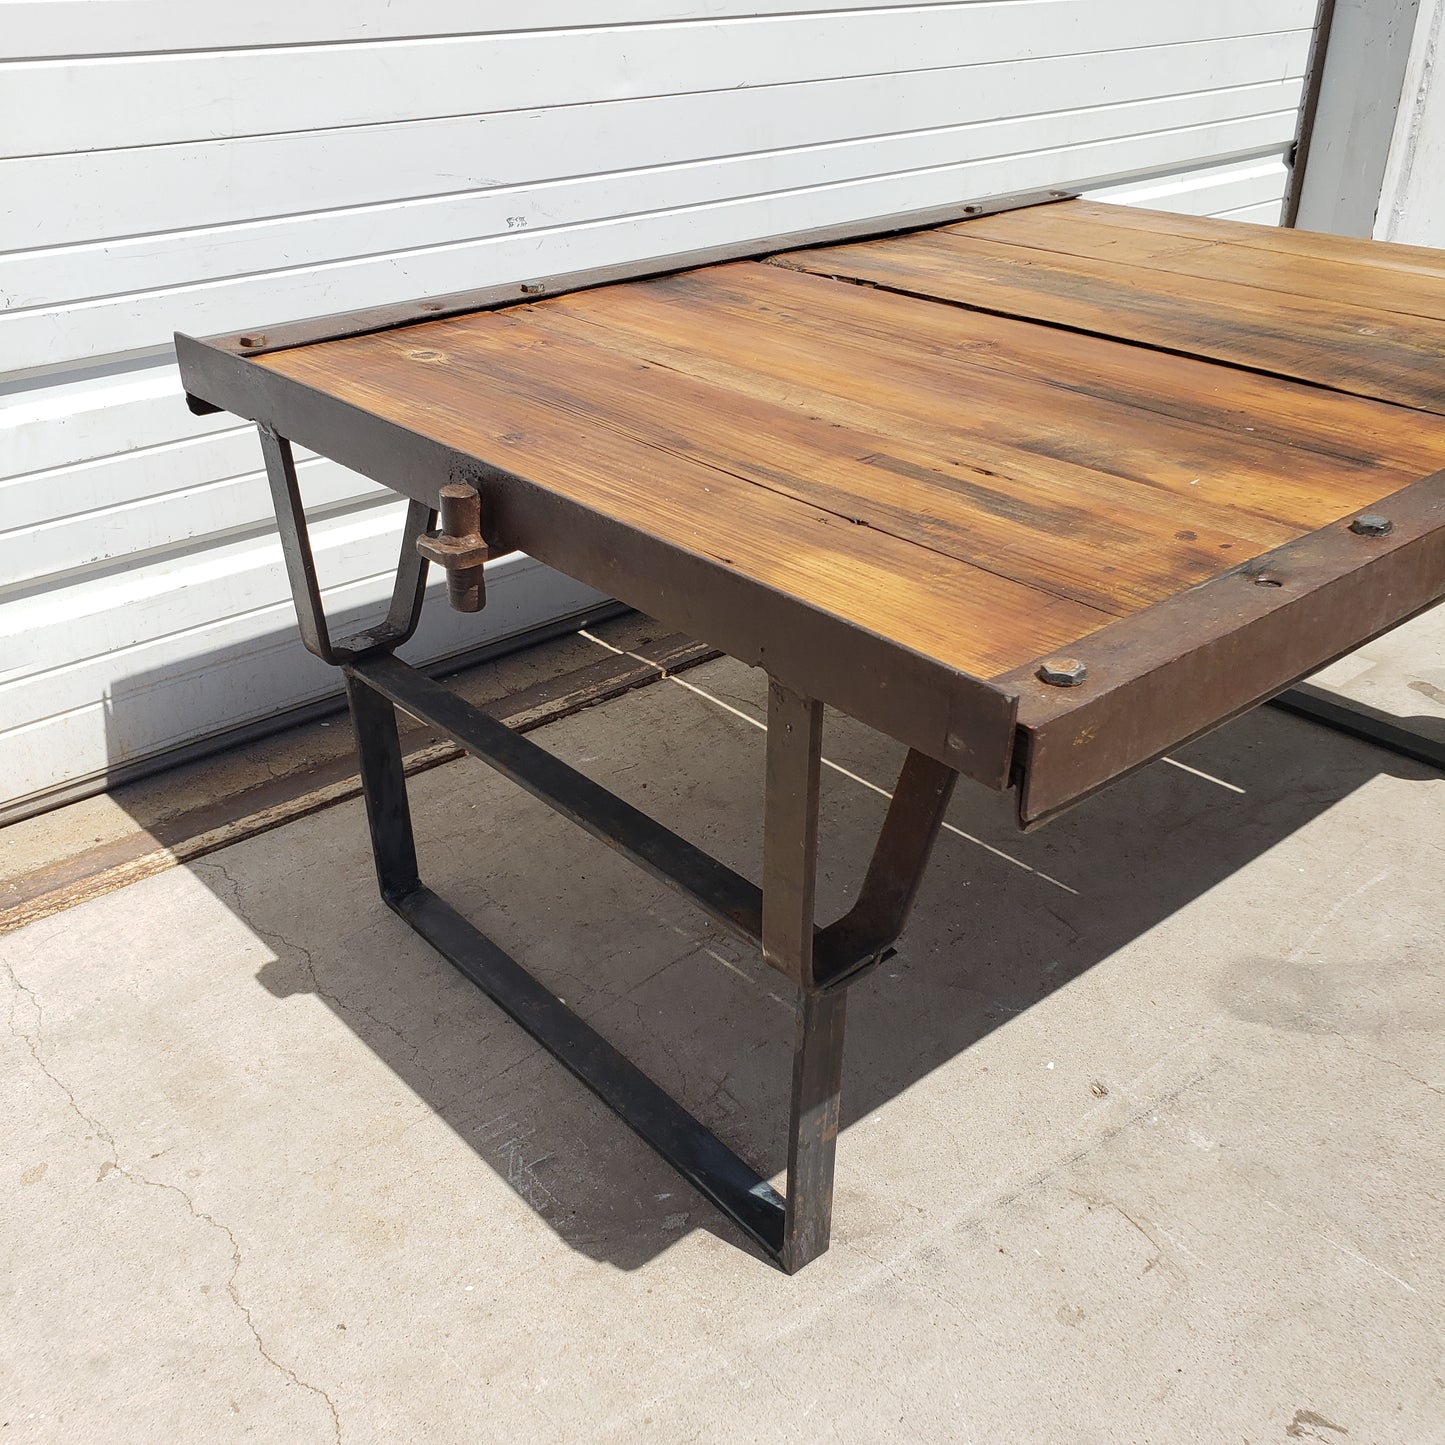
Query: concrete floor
{"x": 1142, "y": 1124}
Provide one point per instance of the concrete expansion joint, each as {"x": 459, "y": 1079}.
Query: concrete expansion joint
{"x": 113, "y": 1165}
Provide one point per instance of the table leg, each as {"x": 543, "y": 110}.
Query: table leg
{"x": 790, "y": 872}
{"x": 383, "y": 785}
{"x": 790, "y": 831}
{"x": 779, "y": 916}
{"x": 794, "y": 1230}
{"x": 813, "y": 1126}
{"x": 689, "y": 1146}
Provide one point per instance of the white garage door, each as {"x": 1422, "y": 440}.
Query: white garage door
{"x": 175, "y": 166}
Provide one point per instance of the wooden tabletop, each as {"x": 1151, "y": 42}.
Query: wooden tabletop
{"x": 1045, "y": 432}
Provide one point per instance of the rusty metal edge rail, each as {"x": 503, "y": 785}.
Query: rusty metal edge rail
{"x": 259, "y": 340}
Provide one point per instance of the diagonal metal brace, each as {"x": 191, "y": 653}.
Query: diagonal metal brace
{"x": 858, "y": 939}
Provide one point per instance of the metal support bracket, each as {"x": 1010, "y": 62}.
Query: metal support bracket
{"x": 407, "y": 594}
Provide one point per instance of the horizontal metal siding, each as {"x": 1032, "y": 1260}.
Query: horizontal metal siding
{"x": 169, "y": 166}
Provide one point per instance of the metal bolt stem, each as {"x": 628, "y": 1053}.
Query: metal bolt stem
{"x": 459, "y": 547}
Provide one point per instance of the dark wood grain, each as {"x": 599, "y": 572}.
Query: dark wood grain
{"x": 1350, "y": 348}
{"x": 1362, "y": 256}
{"x": 957, "y": 614}
{"x": 1033, "y": 529}
{"x": 1246, "y": 406}
{"x": 900, "y": 381}
{"x": 1222, "y": 257}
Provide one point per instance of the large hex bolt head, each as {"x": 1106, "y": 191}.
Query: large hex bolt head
{"x": 1063, "y": 672}
{"x": 1371, "y": 524}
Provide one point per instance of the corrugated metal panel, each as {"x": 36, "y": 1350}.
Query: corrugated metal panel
{"x": 203, "y": 168}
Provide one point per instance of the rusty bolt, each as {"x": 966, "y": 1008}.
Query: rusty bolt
{"x": 1063, "y": 672}
{"x": 532, "y": 288}
{"x": 1371, "y": 524}
{"x": 459, "y": 547}
{"x": 253, "y": 341}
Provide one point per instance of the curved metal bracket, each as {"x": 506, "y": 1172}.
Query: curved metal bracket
{"x": 407, "y": 594}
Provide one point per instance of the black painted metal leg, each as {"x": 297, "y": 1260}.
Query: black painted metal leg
{"x": 794, "y": 1230}
{"x": 790, "y": 831}
{"x": 704, "y": 1160}
{"x": 383, "y": 784}
{"x": 813, "y": 1126}
{"x": 790, "y": 872}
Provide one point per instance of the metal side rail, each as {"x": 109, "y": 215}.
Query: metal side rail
{"x": 725, "y": 895}
{"x": 688, "y": 1145}
{"x": 1359, "y": 720}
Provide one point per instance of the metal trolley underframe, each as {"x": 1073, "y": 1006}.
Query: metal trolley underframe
{"x": 778, "y": 917}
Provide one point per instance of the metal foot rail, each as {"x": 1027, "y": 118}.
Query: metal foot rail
{"x": 1361, "y": 721}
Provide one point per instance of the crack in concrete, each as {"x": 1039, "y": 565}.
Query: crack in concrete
{"x": 1163, "y": 1257}
{"x": 1389, "y": 1063}
{"x": 32, "y": 1041}
{"x": 308, "y": 960}
{"x": 233, "y": 1291}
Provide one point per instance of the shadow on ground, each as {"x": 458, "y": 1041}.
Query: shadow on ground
{"x": 1002, "y": 922}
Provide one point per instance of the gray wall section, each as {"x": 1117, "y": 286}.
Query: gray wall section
{"x": 1412, "y": 200}
{"x": 1359, "y": 98}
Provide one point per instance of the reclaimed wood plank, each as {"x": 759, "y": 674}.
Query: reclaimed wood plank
{"x": 962, "y": 616}
{"x": 1247, "y": 405}
{"x": 1013, "y": 425}
{"x": 1222, "y": 258}
{"x": 1351, "y": 349}
{"x": 1043, "y": 531}
{"x": 1282, "y": 240}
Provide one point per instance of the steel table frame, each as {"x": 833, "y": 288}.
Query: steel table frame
{"x": 778, "y": 916}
